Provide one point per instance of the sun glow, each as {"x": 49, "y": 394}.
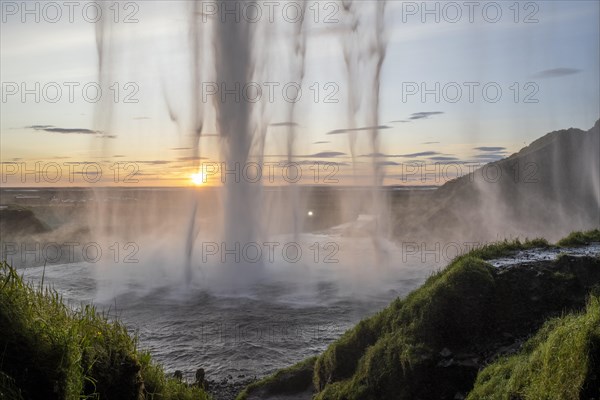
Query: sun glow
{"x": 198, "y": 179}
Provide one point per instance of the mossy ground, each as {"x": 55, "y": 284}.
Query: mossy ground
{"x": 580, "y": 238}
{"x": 433, "y": 343}
{"x": 50, "y": 351}
{"x": 562, "y": 361}
{"x": 294, "y": 379}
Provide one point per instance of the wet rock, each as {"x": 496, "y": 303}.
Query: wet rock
{"x": 227, "y": 390}
{"x": 446, "y": 363}
{"x": 467, "y": 360}
{"x": 178, "y": 375}
{"x": 445, "y": 352}
{"x": 201, "y": 379}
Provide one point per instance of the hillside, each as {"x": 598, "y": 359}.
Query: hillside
{"x": 451, "y": 336}
{"x": 53, "y": 352}
{"x": 548, "y": 188}
{"x": 20, "y": 221}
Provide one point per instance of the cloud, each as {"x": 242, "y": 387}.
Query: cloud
{"x": 429, "y": 142}
{"x": 118, "y": 155}
{"x": 377, "y": 155}
{"x": 192, "y": 158}
{"x": 386, "y": 163}
{"x": 325, "y": 154}
{"x": 366, "y": 128}
{"x": 490, "y": 156}
{"x": 443, "y": 158}
{"x": 322, "y": 142}
{"x": 411, "y": 155}
{"x": 284, "y": 124}
{"x": 556, "y": 72}
{"x": 399, "y": 121}
{"x": 53, "y": 129}
{"x": 181, "y": 148}
{"x": 490, "y": 148}
{"x": 140, "y": 118}
{"x": 39, "y": 127}
{"x": 154, "y": 162}
{"x": 424, "y": 114}
{"x": 420, "y": 154}
{"x": 285, "y": 163}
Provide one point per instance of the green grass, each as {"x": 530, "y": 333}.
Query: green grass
{"x": 395, "y": 354}
{"x": 557, "y": 363}
{"x": 385, "y": 353}
{"x": 50, "y": 351}
{"x": 8, "y": 388}
{"x": 506, "y": 247}
{"x": 428, "y": 314}
{"x": 390, "y": 352}
{"x": 296, "y": 378}
{"x": 580, "y": 238}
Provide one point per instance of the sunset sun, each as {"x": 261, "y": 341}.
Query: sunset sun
{"x": 198, "y": 179}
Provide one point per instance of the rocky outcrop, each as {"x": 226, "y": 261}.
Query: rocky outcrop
{"x": 435, "y": 342}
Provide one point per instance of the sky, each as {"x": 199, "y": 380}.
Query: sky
{"x": 461, "y": 84}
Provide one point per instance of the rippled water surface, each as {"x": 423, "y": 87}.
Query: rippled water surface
{"x": 270, "y": 325}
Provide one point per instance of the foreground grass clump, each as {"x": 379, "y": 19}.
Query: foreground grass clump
{"x": 562, "y": 361}
{"x": 433, "y": 343}
{"x": 580, "y": 238}
{"x": 505, "y": 248}
{"x": 448, "y": 310}
{"x": 50, "y": 351}
{"x": 294, "y": 379}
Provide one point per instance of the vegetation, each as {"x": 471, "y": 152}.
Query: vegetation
{"x": 434, "y": 342}
{"x": 50, "y": 351}
{"x": 562, "y": 361}
{"x": 443, "y": 339}
{"x": 505, "y": 248}
{"x": 580, "y": 238}
{"x": 297, "y": 378}
{"x": 449, "y": 308}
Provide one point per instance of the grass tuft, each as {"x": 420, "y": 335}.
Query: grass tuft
{"x": 580, "y": 238}
{"x": 50, "y": 351}
{"x": 560, "y": 362}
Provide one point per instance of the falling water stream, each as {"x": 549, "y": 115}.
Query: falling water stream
{"x": 242, "y": 132}
{"x": 173, "y": 295}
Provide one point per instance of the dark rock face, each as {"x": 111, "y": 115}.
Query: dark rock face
{"x": 118, "y": 378}
{"x": 529, "y": 293}
{"x": 226, "y": 389}
{"x": 525, "y": 296}
{"x": 293, "y": 383}
{"x": 20, "y": 222}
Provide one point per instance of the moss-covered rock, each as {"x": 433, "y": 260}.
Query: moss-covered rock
{"x": 433, "y": 343}
{"x": 580, "y": 238}
{"x": 295, "y": 379}
{"x": 50, "y": 351}
{"x": 562, "y": 361}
